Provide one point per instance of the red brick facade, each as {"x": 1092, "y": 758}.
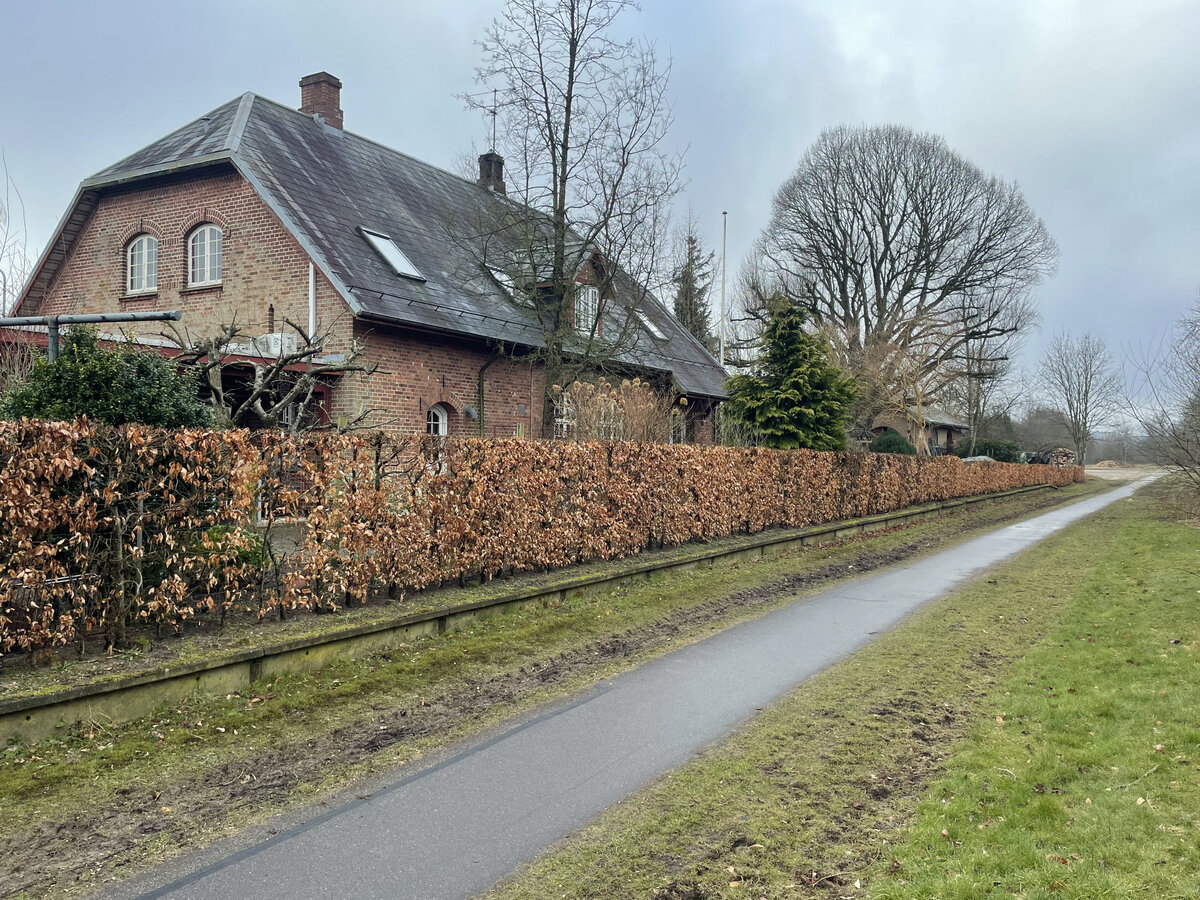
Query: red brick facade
{"x": 419, "y": 371}
{"x": 263, "y": 265}
{"x": 265, "y": 274}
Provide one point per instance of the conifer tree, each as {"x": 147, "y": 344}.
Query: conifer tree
{"x": 794, "y": 398}
{"x": 693, "y": 280}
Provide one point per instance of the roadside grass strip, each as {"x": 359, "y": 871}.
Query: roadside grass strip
{"x": 1080, "y": 780}
{"x": 1033, "y": 734}
{"x": 111, "y": 799}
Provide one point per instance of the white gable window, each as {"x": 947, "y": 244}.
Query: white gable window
{"x": 587, "y": 308}
{"x": 392, "y": 254}
{"x": 141, "y": 265}
{"x": 436, "y": 421}
{"x": 204, "y": 256}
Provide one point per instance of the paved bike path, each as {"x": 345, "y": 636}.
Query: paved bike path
{"x": 454, "y": 829}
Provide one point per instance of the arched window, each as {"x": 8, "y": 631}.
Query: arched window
{"x": 204, "y": 256}
{"x": 141, "y": 265}
{"x": 436, "y": 420}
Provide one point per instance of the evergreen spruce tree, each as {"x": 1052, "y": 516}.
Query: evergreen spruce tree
{"x": 794, "y": 398}
{"x": 693, "y": 280}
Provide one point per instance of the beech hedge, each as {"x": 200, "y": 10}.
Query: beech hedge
{"x": 110, "y": 528}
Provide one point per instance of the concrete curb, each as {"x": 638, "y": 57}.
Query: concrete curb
{"x": 39, "y": 716}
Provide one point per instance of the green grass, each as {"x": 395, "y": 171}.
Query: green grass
{"x": 1080, "y": 780}
{"x": 998, "y": 741}
{"x": 172, "y": 771}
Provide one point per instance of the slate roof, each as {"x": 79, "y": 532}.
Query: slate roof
{"x": 325, "y": 184}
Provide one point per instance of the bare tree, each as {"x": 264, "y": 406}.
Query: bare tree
{"x": 1081, "y": 386}
{"x": 15, "y": 264}
{"x": 892, "y": 239}
{"x": 1164, "y": 397}
{"x": 581, "y": 117}
{"x": 987, "y": 383}
{"x": 903, "y": 381}
{"x": 249, "y": 389}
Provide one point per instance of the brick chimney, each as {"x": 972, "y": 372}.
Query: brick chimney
{"x": 491, "y": 172}
{"x": 321, "y": 94}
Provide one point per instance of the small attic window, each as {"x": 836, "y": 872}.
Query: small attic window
{"x": 395, "y": 257}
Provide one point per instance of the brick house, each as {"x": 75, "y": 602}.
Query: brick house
{"x": 263, "y": 214}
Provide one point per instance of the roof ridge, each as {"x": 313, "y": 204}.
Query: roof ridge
{"x": 381, "y": 145}
{"x": 234, "y": 139}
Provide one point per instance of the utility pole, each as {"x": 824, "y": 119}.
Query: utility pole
{"x": 724, "y": 243}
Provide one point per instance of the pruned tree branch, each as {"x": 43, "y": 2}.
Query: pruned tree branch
{"x": 271, "y": 392}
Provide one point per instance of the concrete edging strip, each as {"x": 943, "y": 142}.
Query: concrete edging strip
{"x": 38, "y": 716}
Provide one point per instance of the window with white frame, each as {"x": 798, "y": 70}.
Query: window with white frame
{"x": 204, "y": 256}
{"x": 610, "y": 421}
{"x": 436, "y": 421}
{"x": 141, "y": 265}
{"x": 564, "y": 417}
{"x": 587, "y": 308}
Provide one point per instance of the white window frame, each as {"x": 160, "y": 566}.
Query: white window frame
{"x": 564, "y": 417}
{"x": 387, "y": 247}
{"x": 648, "y": 323}
{"x": 208, "y": 272}
{"x": 587, "y": 308}
{"x": 611, "y": 421}
{"x": 437, "y": 421}
{"x": 141, "y": 265}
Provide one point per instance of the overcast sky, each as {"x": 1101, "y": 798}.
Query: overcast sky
{"x": 1091, "y": 106}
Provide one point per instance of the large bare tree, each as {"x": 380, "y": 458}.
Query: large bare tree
{"x": 894, "y": 240}
{"x": 581, "y": 117}
{"x": 1081, "y": 385}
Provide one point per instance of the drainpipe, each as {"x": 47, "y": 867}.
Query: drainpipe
{"x": 479, "y": 388}
{"x": 312, "y": 301}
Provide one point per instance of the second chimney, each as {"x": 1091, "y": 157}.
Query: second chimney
{"x": 321, "y": 94}
{"x": 491, "y": 172}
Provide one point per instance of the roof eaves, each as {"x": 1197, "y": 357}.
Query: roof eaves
{"x": 306, "y": 245}
{"x": 179, "y": 165}
{"x": 81, "y": 194}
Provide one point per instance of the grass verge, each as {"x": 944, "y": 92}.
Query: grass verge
{"x": 112, "y": 799}
{"x": 1033, "y": 734}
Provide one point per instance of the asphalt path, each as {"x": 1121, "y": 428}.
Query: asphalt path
{"x": 456, "y": 827}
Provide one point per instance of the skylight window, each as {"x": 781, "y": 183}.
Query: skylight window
{"x": 394, "y": 256}
{"x": 504, "y": 280}
{"x": 649, "y": 325}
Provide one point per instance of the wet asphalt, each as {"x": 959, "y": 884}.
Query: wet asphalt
{"x": 456, "y": 827}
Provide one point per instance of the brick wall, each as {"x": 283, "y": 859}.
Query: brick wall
{"x": 262, "y": 265}
{"x": 417, "y": 371}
